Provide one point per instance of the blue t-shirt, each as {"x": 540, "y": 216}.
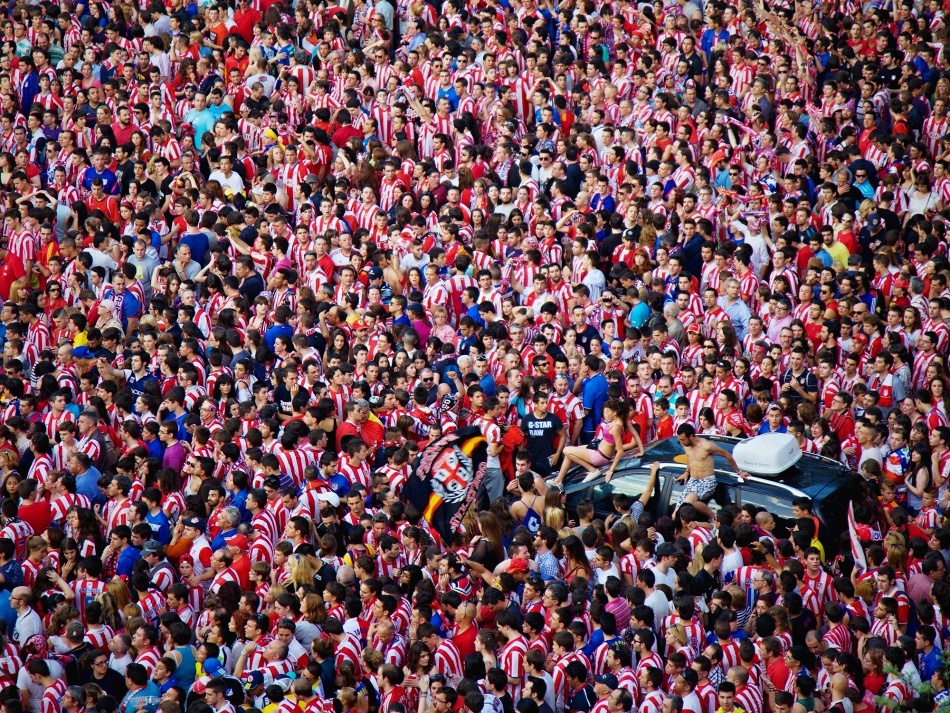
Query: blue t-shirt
{"x": 87, "y": 484}
{"x": 220, "y": 541}
{"x": 639, "y": 315}
{"x": 110, "y": 183}
{"x": 127, "y": 559}
{"x": 339, "y": 485}
{"x": 155, "y": 449}
{"x": 146, "y": 699}
{"x": 137, "y": 385}
{"x": 198, "y": 242}
{"x": 278, "y": 330}
{"x": 239, "y": 500}
{"x": 161, "y": 528}
{"x": 593, "y": 398}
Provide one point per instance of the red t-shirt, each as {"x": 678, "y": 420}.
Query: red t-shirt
{"x": 11, "y": 270}
{"x": 37, "y": 515}
{"x": 664, "y": 428}
{"x": 465, "y": 642}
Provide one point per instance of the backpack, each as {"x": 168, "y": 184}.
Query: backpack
{"x": 107, "y": 453}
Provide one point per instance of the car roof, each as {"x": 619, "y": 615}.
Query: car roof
{"x": 812, "y": 474}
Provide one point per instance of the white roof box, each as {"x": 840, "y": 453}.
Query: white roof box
{"x": 768, "y": 454}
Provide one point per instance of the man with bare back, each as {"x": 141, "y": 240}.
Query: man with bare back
{"x": 700, "y": 478}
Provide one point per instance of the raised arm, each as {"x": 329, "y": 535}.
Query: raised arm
{"x": 715, "y": 450}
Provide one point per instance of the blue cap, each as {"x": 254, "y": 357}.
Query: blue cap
{"x": 197, "y": 523}
{"x": 214, "y": 668}
{"x": 83, "y": 353}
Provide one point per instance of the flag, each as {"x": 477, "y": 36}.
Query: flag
{"x": 857, "y": 550}
{"x": 446, "y": 479}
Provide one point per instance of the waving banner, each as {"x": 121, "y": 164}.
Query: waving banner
{"x": 446, "y": 478}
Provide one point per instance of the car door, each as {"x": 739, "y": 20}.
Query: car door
{"x": 773, "y": 497}
{"x": 726, "y": 491}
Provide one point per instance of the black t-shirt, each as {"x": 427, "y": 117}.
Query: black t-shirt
{"x": 808, "y": 381}
{"x": 584, "y": 338}
{"x": 801, "y": 625}
{"x": 706, "y": 584}
{"x": 540, "y": 434}
{"x": 283, "y": 399}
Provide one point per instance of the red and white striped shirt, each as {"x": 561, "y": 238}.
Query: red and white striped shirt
{"x": 348, "y": 650}
{"x": 512, "y": 661}
{"x": 447, "y": 659}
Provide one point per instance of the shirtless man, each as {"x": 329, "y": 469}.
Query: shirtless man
{"x": 699, "y": 476}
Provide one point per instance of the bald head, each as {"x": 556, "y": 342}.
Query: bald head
{"x": 738, "y": 676}
{"x": 839, "y": 686}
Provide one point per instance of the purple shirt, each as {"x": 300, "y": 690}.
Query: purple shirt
{"x": 174, "y": 457}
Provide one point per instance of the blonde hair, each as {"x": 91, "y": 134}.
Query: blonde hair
{"x": 301, "y": 572}
{"x": 17, "y": 284}
{"x": 119, "y": 591}
{"x": 679, "y": 633}
{"x": 554, "y": 517}
{"x": 865, "y": 590}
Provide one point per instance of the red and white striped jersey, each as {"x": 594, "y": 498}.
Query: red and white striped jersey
{"x": 20, "y": 533}
{"x": 117, "y": 513}
{"x": 152, "y": 605}
{"x": 40, "y": 468}
{"x": 219, "y": 579}
{"x": 99, "y": 638}
{"x": 447, "y": 659}
{"x": 86, "y": 590}
{"x": 512, "y": 662}
{"x": 50, "y": 701}
{"x": 559, "y": 674}
{"x": 839, "y": 637}
{"x": 293, "y": 463}
{"x": 265, "y": 523}
{"x": 348, "y": 650}
{"x": 52, "y": 422}
{"x": 749, "y": 698}
{"x": 394, "y": 652}
{"x": 149, "y": 659}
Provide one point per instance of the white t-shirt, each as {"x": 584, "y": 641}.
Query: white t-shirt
{"x": 27, "y": 624}
{"x": 235, "y": 182}
{"x": 669, "y": 579}
{"x": 603, "y": 574}
{"x": 36, "y": 690}
{"x": 730, "y": 563}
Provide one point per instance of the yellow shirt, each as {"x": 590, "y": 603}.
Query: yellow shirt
{"x": 838, "y": 252}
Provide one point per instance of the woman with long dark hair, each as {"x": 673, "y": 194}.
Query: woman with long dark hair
{"x": 487, "y": 547}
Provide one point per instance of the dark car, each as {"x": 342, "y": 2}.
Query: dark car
{"x": 828, "y": 483}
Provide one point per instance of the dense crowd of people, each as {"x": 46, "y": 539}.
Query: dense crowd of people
{"x": 311, "y": 311}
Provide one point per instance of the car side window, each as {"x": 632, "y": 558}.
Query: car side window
{"x": 777, "y": 501}
{"x": 632, "y": 484}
